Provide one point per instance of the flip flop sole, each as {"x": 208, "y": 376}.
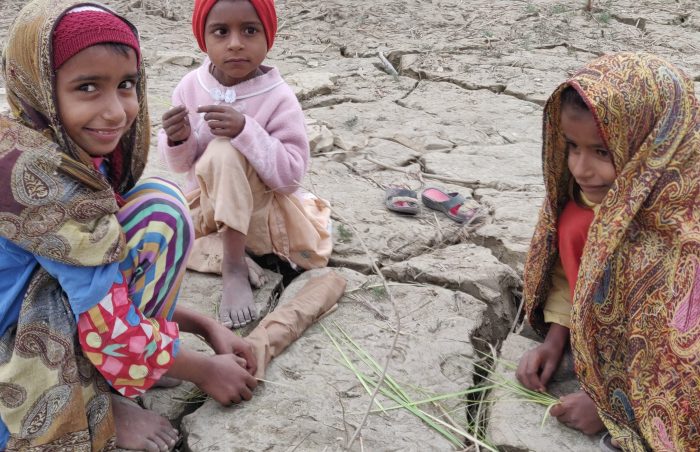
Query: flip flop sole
{"x": 406, "y": 196}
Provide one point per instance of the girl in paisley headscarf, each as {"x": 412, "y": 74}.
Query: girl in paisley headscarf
{"x": 619, "y": 237}
{"x": 91, "y": 258}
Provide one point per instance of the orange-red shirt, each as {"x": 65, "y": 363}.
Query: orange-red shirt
{"x": 574, "y": 223}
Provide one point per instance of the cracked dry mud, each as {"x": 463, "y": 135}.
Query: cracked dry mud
{"x": 464, "y": 113}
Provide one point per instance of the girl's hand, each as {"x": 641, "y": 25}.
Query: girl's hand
{"x": 225, "y": 380}
{"x": 223, "y": 120}
{"x": 537, "y": 365}
{"x": 176, "y": 124}
{"x": 578, "y": 411}
{"x": 225, "y": 341}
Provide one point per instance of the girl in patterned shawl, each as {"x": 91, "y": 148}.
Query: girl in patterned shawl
{"x": 91, "y": 258}
{"x": 618, "y": 239}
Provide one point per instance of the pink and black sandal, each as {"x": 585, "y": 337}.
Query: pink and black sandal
{"x": 401, "y": 200}
{"x": 454, "y": 205}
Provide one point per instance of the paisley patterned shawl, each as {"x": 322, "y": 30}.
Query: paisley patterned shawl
{"x": 636, "y": 309}
{"x": 52, "y": 201}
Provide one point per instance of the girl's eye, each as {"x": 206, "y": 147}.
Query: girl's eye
{"x": 128, "y": 84}
{"x": 603, "y": 153}
{"x": 87, "y": 87}
{"x": 250, "y": 30}
{"x": 570, "y": 145}
{"x": 220, "y": 32}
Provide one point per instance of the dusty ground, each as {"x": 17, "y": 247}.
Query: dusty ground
{"x": 464, "y": 113}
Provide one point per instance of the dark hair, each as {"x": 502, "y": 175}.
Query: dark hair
{"x": 571, "y": 98}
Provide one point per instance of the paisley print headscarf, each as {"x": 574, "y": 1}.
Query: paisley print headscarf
{"x": 52, "y": 200}
{"x": 54, "y": 203}
{"x": 636, "y": 310}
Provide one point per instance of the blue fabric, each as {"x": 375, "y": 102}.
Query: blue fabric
{"x": 16, "y": 267}
{"x": 4, "y": 436}
{"x": 84, "y": 287}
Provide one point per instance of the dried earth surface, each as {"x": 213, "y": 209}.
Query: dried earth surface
{"x": 462, "y": 112}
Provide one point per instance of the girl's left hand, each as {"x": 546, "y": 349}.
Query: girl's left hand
{"x": 225, "y": 341}
{"x": 224, "y": 121}
{"x": 578, "y": 411}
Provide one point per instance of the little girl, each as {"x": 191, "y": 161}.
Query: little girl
{"x": 91, "y": 258}
{"x": 615, "y": 255}
{"x": 239, "y": 132}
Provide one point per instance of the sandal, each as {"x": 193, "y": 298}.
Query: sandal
{"x": 401, "y": 200}
{"x": 454, "y": 205}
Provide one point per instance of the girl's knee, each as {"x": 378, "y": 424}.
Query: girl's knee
{"x": 220, "y": 154}
{"x": 157, "y": 205}
{"x": 150, "y": 186}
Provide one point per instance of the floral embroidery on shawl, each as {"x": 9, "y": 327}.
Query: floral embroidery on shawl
{"x": 636, "y": 296}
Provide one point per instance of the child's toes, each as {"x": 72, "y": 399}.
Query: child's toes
{"x": 225, "y": 319}
{"x": 245, "y": 316}
{"x": 256, "y": 275}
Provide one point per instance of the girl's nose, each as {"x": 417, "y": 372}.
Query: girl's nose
{"x": 235, "y": 42}
{"x": 581, "y": 167}
{"x": 114, "y": 109}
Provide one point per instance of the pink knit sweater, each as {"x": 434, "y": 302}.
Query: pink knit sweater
{"x": 273, "y": 140}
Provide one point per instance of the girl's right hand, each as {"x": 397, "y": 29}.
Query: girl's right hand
{"x": 537, "y": 365}
{"x": 224, "y": 341}
{"x": 225, "y": 380}
{"x": 176, "y": 124}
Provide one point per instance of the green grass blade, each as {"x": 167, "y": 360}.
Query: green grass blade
{"x": 349, "y": 363}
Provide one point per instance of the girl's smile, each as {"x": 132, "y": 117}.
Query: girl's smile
{"x": 97, "y": 101}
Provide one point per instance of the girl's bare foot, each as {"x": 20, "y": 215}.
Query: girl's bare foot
{"x": 140, "y": 429}
{"x": 237, "y": 306}
{"x": 256, "y": 275}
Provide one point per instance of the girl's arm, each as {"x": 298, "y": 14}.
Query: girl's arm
{"x": 221, "y": 339}
{"x": 129, "y": 350}
{"x": 181, "y": 157}
{"x": 223, "y": 377}
{"x": 133, "y": 352}
{"x": 278, "y": 150}
{"x": 537, "y": 365}
{"x": 146, "y": 349}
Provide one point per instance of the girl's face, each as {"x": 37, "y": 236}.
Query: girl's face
{"x": 235, "y": 40}
{"x": 97, "y": 101}
{"x": 589, "y": 161}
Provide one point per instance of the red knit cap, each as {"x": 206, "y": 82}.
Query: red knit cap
{"x": 264, "y": 8}
{"x": 84, "y": 27}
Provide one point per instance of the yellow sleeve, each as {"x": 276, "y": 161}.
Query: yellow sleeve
{"x": 557, "y": 308}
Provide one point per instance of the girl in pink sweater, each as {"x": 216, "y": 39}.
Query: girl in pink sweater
{"x": 239, "y": 132}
